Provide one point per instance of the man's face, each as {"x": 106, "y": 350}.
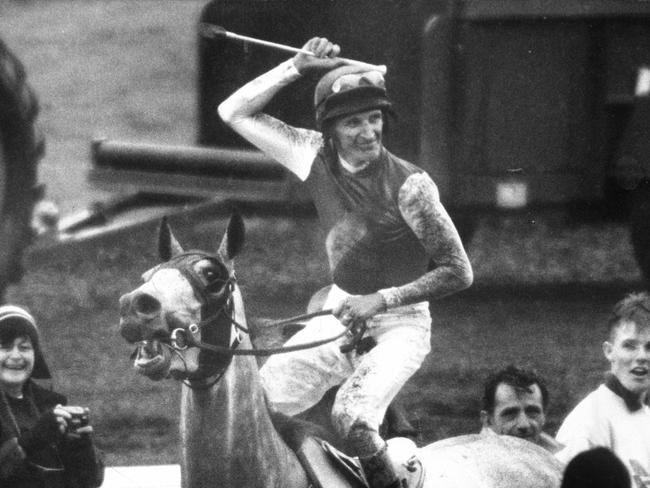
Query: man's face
{"x": 358, "y": 137}
{"x": 628, "y": 353}
{"x": 517, "y": 412}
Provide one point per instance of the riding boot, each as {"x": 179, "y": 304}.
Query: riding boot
{"x": 379, "y": 470}
{"x": 366, "y": 443}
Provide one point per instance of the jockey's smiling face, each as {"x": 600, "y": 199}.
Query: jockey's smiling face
{"x": 628, "y": 352}
{"x": 517, "y": 412}
{"x": 357, "y": 137}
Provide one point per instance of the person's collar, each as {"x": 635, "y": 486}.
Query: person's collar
{"x": 632, "y": 401}
{"x": 549, "y": 443}
{"x": 350, "y": 168}
{"x": 14, "y": 392}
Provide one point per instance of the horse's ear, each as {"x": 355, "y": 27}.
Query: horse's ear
{"x": 168, "y": 246}
{"x": 233, "y": 239}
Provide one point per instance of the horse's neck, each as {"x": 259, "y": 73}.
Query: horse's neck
{"x": 228, "y": 435}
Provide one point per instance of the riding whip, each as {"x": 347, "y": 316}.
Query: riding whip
{"x": 214, "y": 31}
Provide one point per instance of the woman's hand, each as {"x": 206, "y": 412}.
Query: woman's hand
{"x": 358, "y": 308}
{"x": 62, "y": 416}
{"x": 324, "y": 58}
{"x": 68, "y": 417}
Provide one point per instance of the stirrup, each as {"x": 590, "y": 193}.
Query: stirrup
{"x": 403, "y": 453}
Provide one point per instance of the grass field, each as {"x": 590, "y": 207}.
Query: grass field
{"x": 125, "y": 69}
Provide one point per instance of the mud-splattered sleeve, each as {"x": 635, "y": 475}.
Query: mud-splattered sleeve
{"x": 293, "y": 147}
{"x": 419, "y": 203}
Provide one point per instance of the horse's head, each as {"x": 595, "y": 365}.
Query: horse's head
{"x": 186, "y": 300}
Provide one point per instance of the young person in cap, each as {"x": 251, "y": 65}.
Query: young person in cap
{"x": 41, "y": 445}
{"x": 384, "y": 223}
{"x": 616, "y": 414}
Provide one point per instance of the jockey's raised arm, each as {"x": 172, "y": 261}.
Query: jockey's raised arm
{"x": 294, "y": 148}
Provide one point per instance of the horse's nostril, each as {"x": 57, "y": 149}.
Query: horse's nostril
{"x": 146, "y": 304}
{"x": 131, "y": 333}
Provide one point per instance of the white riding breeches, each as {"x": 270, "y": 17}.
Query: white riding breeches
{"x": 297, "y": 380}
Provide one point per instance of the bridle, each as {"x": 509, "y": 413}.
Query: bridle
{"x": 219, "y": 303}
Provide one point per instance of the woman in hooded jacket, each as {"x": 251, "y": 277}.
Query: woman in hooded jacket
{"x": 43, "y": 442}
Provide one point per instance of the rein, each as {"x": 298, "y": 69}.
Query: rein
{"x": 191, "y": 333}
{"x": 181, "y": 338}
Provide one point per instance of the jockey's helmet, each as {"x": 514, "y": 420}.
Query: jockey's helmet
{"x": 347, "y": 90}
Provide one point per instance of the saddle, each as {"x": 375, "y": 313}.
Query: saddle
{"x": 327, "y": 467}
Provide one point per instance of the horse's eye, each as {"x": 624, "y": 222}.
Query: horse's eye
{"x": 209, "y": 274}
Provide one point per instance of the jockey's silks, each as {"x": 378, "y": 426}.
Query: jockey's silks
{"x": 369, "y": 245}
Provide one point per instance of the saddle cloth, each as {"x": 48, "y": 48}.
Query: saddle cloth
{"x": 327, "y": 467}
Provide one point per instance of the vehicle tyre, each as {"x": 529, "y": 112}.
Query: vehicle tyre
{"x": 21, "y": 147}
{"x": 640, "y": 227}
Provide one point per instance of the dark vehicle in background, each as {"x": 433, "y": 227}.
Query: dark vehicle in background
{"x": 510, "y": 105}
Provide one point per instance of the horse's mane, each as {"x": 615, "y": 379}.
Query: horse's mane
{"x": 294, "y": 431}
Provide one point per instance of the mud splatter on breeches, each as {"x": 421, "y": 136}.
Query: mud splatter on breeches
{"x": 296, "y": 381}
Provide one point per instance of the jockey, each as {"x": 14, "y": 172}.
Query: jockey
{"x": 384, "y": 224}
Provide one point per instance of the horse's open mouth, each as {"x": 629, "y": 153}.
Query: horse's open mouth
{"x": 152, "y": 359}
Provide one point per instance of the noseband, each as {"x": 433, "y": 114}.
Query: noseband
{"x": 216, "y": 298}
